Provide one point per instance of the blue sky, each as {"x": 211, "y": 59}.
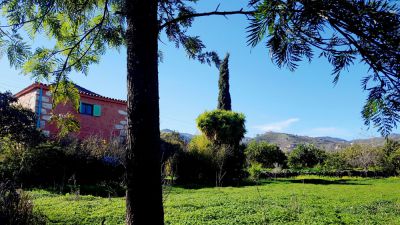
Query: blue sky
{"x": 303, "y": 102}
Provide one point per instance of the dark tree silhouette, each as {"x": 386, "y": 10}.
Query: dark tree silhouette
{"x": 224, "y": 97}
{"x": 16, "y": 123}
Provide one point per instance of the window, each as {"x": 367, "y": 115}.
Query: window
{"x": 86, "y": 109}
{"x": 90, "y": 109}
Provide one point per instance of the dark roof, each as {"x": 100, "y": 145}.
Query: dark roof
{"x": 86, "y": 91}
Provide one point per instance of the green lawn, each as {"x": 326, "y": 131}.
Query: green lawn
{"x": 303, "y": 200}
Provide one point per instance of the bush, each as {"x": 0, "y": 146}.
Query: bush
{"x": 68, "y": 162}
{"x": 201, "y": 145}
{"x": 204, "y": 163}
{"x": 306, "y": 156}
{"x": 194, "y": 165}
{"x": 334, "y": 162}
{"x": 16, "y": 208}
{"x": 255, "y": 170}
{"x": 264, "y": 153}
{"x": 172, "y": 145}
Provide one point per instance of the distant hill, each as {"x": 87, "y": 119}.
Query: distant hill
{"x": 287, "y": 142}
{"x": 376, "y": 141}
{"x": 185, "y": 136}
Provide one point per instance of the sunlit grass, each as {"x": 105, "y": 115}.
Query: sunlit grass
{"x": 302, "y": 200}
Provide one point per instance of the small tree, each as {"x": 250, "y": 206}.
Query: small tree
{"x": 335, "y": 162}
{"x": 265, "y": 153}
{"x": 394, "y": 160}
{"x": 362, "y": 156}
{"x": 306, "y": 156}
{"x": 224, "y": 97}
{"x": 224, "y": 129}
{"x": 390, "y": 152}
{"x": 17, "y": 123}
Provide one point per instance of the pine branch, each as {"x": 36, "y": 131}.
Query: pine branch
{"x": 65, "y": 64}
{"x": 40, "y": 18}
{"x": 214, "y": 13}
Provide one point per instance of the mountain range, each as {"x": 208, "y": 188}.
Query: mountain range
{"x": 288, "y": 142}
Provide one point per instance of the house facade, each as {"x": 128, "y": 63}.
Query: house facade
{"x": 98, "y": 115}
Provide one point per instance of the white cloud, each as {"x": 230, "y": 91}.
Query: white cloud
{"x": 277, "y": 126}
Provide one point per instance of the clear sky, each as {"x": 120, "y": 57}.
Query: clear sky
{"x": 303, "y": 102}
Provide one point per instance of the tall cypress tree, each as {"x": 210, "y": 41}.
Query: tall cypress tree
{"x": 224, "y": 97}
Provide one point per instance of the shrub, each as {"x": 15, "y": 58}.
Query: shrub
{"x": 305, "y": 156}
{"x": 16, "y": 208}
{"x": 201, "y": 145}
{"x": 334, "y": 162}
{"x": 172, "y": 145}
{"x": 255, "y": 170}
{"x": 205, "y": 163}
{"x": 57, "y": 164}
{"x": 264, "y": 153}
{"x": 194, "y": 164}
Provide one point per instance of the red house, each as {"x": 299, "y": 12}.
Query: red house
{"x": 98, "y": 115}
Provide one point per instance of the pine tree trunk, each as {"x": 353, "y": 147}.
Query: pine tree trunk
{"x": 143, "y": 174}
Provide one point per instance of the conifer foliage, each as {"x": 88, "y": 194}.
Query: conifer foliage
{"x": 224, "y": 97}
{"x": 368, "y": 31}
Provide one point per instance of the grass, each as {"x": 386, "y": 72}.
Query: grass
{"x": 301, "y": 200}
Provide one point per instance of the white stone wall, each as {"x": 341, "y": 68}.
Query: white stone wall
{"x": 45, "y": 110}
{"x": 121, "y": 126}
{"x": 29, "y": 100}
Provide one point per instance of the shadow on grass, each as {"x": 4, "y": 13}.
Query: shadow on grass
{"x": 242, "y": 183}
{"x": 315, "y": 181}
{"x": 281, "y": 181}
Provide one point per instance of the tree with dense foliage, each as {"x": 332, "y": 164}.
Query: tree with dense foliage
{"x": 388, "y": 159}
{"x": 335, "y": 162}
{"x": 84, "y": 29}
{"x": 222, "y": 126}
{"x": 224, "y": 129}
{"x": 17, "y": 124}
{"x": 224, "y": 97}
{"x": 363, "y": 156}
{"x": 306, "y": 156}
{"x": 268, "y": 155}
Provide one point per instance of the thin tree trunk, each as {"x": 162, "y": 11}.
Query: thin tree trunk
{"x": 143, "y": 174}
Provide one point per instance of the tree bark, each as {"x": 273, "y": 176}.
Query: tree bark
{"x": 143, "y": 167}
